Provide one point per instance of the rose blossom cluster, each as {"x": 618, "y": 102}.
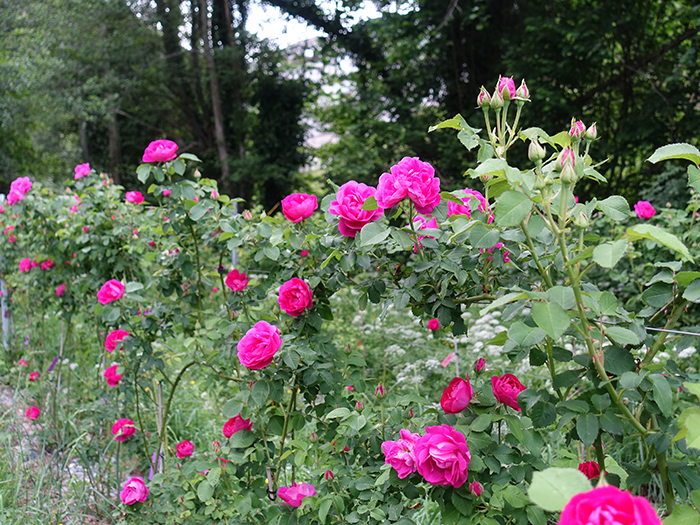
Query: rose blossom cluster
{"x": 18, "y": 189}
{"x": 441, "y": 456}
{"x": 82, "y": 170}
{"x": 411, "y": 178}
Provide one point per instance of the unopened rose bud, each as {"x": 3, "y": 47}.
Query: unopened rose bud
{"x": 329, "y": 475}
{"x": 379, "y": 392}
{"x": 566, "y": 156}
{"x": 214, "y": 194}
{"x": 577, "y": 129}
{"x": 591, "y": 132}
{"x": 484, "y": 99}
{"x": 506, "y": 87}
{"x": 359, "y": 406}
{"x": 247, "y": 215}
{"x": 568, "y": 174}
{"x": 475, "y": 488}
{"x": 313, "y": 436}
{"x": 581, "y": 221}
{"x": 523, "y": 93}
{"x": 548, "y": 180}
{"x": 497, "y": 101}
{"x": 536, "y": 152}
{"x": 479, "y": 365}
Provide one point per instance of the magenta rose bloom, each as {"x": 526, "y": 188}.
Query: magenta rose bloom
{"x": 479, "y": 365}
{"x": 506, "y": 389}
{"x": 644, "y": 210}
{"x": 590, "y": 469}
{"x": 34, "y": 376}
{"x": 442, "y": 456}
{"x": 410, "y": 178}
{"x": 235, "y": 424}
{"x": 434, "y": 325}
{"x": 82, "y": 170}
{"x": 608, "y": 505}
{"x": 295, "y": 297}
{"x": 259, "y": 345}
{"x": 160, "y": 151}
{"x": 457, "y": 395}
{"x": 47, "y": 265}
{"x": 14, "y": 197}
{"x": 123, "y": 428}
{"x": 60, "y": 290}
{"x": 464, "y": 209}
{"x": 114, "y": 337}
{"x": 295, "y": 494}
{"x": 236, "y": 280}
{"x": 33, "y": 412}
{"x": 25, "y": 265}
{"x": 299, "y": 206}
{"x": 184, "y": 449}
{"x": 399, "y": 454}
{"x": 111, "y": 375}
{"x": 350, "y": 198}
{"x": 134, "y": 197}
{"x": 21, "y": 185}
{"x": 506, "y": 87}
{"x": 134, "y": 490}
{"x": 112, "y": 290}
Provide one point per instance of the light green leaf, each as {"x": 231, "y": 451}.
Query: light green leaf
{"x": 662, "y": 394}
{"x": 552, "y": 488}
{"x": 609, "y": 254}
{"x": 370, "y": 204}
{"x": 512, "y": 208}
{"x": 683, "y": 515}
{"x": 680, "y": 150}
{"x": 483, "y": 237}
{"x": 198, "y": 211}
{"x": 205, "y": 491}
{"x": 525, "y": 335}
{"x": 133, "y": 286}
{"x": 323, "y": 510}
{"x": 685, "y": 278}
{"x": 373, "y": 233}
{"x": 551, "y": 318}
{"x": 143, "y": 172}
{"x": 694, "y": 177}
{"x": 658, "y": 294}
{"x": 649, "y": 231}
{"x": 338, "y": 413}
{"x": 621, "y": 336}
{"x": 241, "y": 439}
{"x": 615, "y": 207}
{"x": 692, "y": 293}
{"x": 587, "y": 428}
{"x": 693, "y": 388}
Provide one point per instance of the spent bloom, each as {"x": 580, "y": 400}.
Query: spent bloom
{"x": 135, "y": 490}
{"x": 34, "y": 376}
{"x": 644, "y": 210}
{"x": 82, "y": 170}
{"x": 160, "y": 151}
{"x": 235, "y": 424}
{"x": 399, "y": 454}
{"x": 258, "y": 346}
{"x": 350, "y": 198}
{"x": 123, "y": 429}
{"x": 411, "y": 178}
{"x": 47, "y": 265}
{"x": 299, "y": 206}
{"x": 295, "y": 494}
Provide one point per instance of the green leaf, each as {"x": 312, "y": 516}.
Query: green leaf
{"x": 482, "y": 237}
{"x": 692, "y": 292}
{"x": 512, "y": 208}
{"x": 133, "y": 286}
{"x": 692, "y": 423}
{"x": 370, "y": 204}
{"x": 143, "y": 172}
{"x": 694, "y": 177}
{"x": 525, "y": 335}
{"x": 260, "y": 393}
{"x": 373, "y": 233}
{"x": 683, "y": 515}
{"x": 658, "y": 294}
{"x": 649, "y": 231}
{"x": 110, "y": 313}
{"x": 587, "y": 428}
{"x": 609, "y": 254}
{"x": 198, "y": 211}
{"x": 552, "y": 488}
{"x": 241, "y": 439}
{"x": 551, "y": 318}
{"x": 205, "y": 491}
{"x": 323, "y": 510}
{"x": 213, "y": 476}
{"x": 685, "y": 278}
{"x": 615, "y": 207}
{"x": 662, "y": 393}
{"x": 679, "y": 150}
{"x": 693, "y": 388}
{"x": 563, "y": 296}
{"x": 618, "y": 360}
{"x": 232, "y": 408}
{"x": 457, "y": 122}
{"x": 536, "y": 516}
{"x": 621, "y": 336}
{"x": 338, "y": 412}
{"x": 611, "y": 423}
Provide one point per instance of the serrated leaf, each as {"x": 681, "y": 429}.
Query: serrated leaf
{"x": 204, "y": 491}
{"x": 679, "y": 150}
{"x": 621, "y": 336}
{"x": 692, "y": 292}
{"x": 512, "y": 208}
{"x": 587, "y": 428}
{"x": 658, "y": 294}
{"x": 615, "y": 207}
{"x": 373, "y": 233}
{"x": 609, "y": 254}
{"x": 552, "y": 488}
{"x": 618, "y": 360}
{"x": 241, "y": 439}
{"x": 662, "y": 393}
{"x": 370, "y": 204}
{"x": 525, "y": 335}
{"x": 551, "y": 318}
{"x": 654, "y": 233}
{"x": 482, "y": 237}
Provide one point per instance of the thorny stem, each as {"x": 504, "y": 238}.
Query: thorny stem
{"x": 535, "y": 257}
{"x": 290, "y": 408}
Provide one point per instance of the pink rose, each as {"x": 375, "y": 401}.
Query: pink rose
{"x": 235, "y": 424}
{"x": 475, "y": 488}
{"x": 442, "y": 456}
{"x": 350, "y": 198}
{"x": 591, "y": 469}
{"x": 25, "y": 265}
{"x": 608, "y": 505}
{"x": 410, "y": 178}
{"x": 299, "y": 206}
{"x": 295, "y": 296}
{"x": 14, "y": 197}
{"x": 434, "y": 325}
{"x": 295, "y": 494}
{"x": 111, "y": 375}
{"x": 506, "y": 87}
{"x": 350, "y": 388}
{"x": 134, "y": 490}
{"x": 22, "y": 362}
{"x": 479, "y": 365}
{"x": 114, "y": 337}
{"x": 74, "y": 209}
{"x": 112, "y": 290}
{"x": 506, "y": 389}
{"x": 400, "y": 454}
{"x": 47, "y": 265}
{"x": 644, "y": 210}
{"x": 236, "y": 280}
{"x": 577, "y": 129}
{"x": 21, "y": 185}
{"x": 304, "y": 253}
{"x": 160, "y": 151}
{"x": 259, "y": 345}
{"x": 60, "y": 290}
{"x": 464, "y": 209}
{"x": 33, "y": 412}
{"x": 134, "y": 197}
{"x": 82, "y": 170}
{"x": 167, "y": 192}
{"x": 457, "y": 396}
{"x": 34, "y": 376}
{"x": 506, "y": 259}
{"x": 184, "y": 449}
{"x": 123, "y": 428}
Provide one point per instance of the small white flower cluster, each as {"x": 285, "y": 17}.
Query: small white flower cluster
{"x": 687, "y": 352}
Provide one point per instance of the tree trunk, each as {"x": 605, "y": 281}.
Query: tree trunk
{"x": 215, "y": 96}
{"x": 84, "y": 141}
